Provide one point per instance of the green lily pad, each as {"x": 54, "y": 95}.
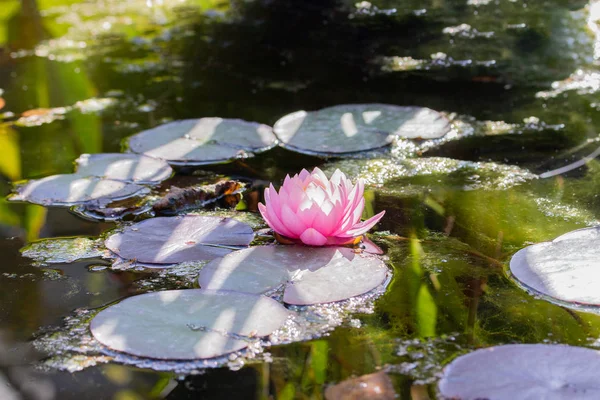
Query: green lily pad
{"x": 565, "y": 269}
{"x": 523, "y": 371}
{"x": 187, "y": 324}
{"x": 124, "y": 167}
{"x": 352, "y": 128}
{"x": 171, "y": 240}
{"x": 203, "y": 141}
{"x": 72, "y": 189}
{"x": 310, "y": 275}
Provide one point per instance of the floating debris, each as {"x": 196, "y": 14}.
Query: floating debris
{"x": 466, "y": 31}
{"x": 179, "y": 199}
{"x": 40, "y": 116}
{"x": 63, "y": 250}
{"x": 581, "y": 81}
{"x": 111, "y": 212}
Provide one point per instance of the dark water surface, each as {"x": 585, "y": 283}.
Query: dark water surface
{"x": 520, "y": 76}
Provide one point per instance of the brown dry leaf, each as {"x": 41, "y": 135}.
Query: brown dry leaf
{"x": 377, "y": 386}
{"x": 180, "y": 199}
{"x": 36, "y": 112}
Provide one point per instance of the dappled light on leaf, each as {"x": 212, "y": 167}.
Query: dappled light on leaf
{"x": 187, "y": 324}
{"x": 71, "y": 189}
{"x": 357, "y": 127}
{"x": 564, "y": 269}
{"x": 203, "y": 141}
{"x": 124, "y": 167}
{"x": 536, "y": 371}
{"x": 309, "y": 276}
{"x": 171, "y": 240}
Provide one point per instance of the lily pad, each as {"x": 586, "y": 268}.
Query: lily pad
{"x": 354, "y": 128}
{"x": 565, "y": 269}
{"x": 311, "y": 275}
{"x": 187, "y": 324}
{"x": 124, "y": 167}
{"x": 63, "y": 250}
{"x": 523, "y": 371}
{"x": 171, "y": 240}
{"x": 203, "y": 141}
{"x": 72, "y": 189}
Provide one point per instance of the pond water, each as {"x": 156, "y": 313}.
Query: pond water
{"x": 518, "y": 79}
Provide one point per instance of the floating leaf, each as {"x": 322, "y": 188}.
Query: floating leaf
{"x": 171, "y": 240}
{"x": 62, "y": 250}
{"x": 519, "y": 371}
{"x": 187, "y": 324}
{"x": 203, "y": 141}
{"x": 565, "y": 269}
{"x": 124, "y": 167}
{"x": 312, "y": 275}
{"x": 72, "y": 189}
{"x": 354, "y": 128}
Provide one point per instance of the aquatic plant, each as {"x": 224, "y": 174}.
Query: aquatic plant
{"x": 317, "y": 211}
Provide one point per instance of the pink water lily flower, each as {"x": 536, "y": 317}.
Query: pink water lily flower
{"x": 317, "y": 211}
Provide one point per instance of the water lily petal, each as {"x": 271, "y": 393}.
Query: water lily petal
{"x": 291, "y": 221}
{"x": 303, "y": 175}
{"x": 296, "y": 195}
{"x": 338, "y": 177}
{"x": 362, "y": 227}
{"x": 351, "y": 218}
{"x": 312, "y": 237}
{"x": 320, "y": 177}
{"x": 310, "y": 214}
{"x": 272, "y": 200}
{"x": 273, "y": 220}
{"x": 315, "y": 193}
{"x": 328, "y": 220}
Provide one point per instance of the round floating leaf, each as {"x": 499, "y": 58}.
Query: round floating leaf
{"x": 186, "y": 324}
{"x": 124, "y": 167}
{"x": 313, "y": 275}
{"x": 346, "y": 275}
{"x": 170, "y": 240}
{"x": 523, "y": 371}
{"x": 203, "y": 141}
{"x": 565, "y": 269}
{"x": 71, "y": 189}
{"x": 353, "y": 128}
